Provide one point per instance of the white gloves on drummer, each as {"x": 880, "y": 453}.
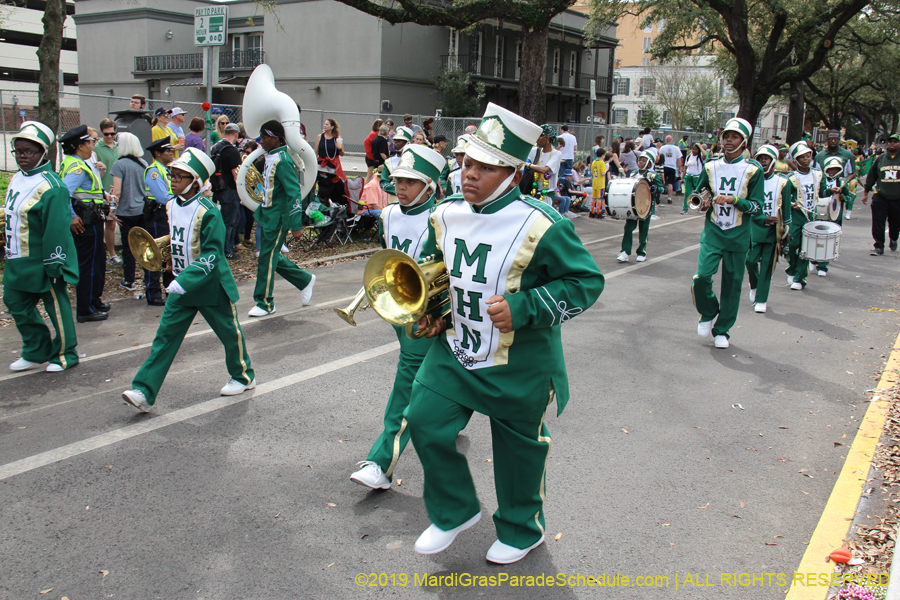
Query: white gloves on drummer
{"x": 175, "y": 288}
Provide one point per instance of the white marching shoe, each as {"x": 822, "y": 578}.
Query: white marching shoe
{"x": 847, "y": 215}
{"x": 790, "y": 279}
{"x": 641, "y": 258}
{"x": 371, "y": 476}
{"x": 622, "y": 257}
{"x": 821, "y": 273}
{"x": 306, "y": 293}
{"x": 260, "y": 312}
{"x": 234, "y": 387}
{"x": 285, "y": 249}
{"x": 721, "y": 341}
{"x": 752, "y": 295}
{"x": 796, "y": 286}
{"x": 434, "y": 539}
{"x": 22, "y": 364}
{"x": 136, "y": 399}
{"x": 759, "y": 307}
{"x": 704, "y": 328}
{"x": 502, "y": 554}
{"x": 55, "y": 368}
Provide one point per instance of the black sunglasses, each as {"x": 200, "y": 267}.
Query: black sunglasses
{"x": 109, "y": 134}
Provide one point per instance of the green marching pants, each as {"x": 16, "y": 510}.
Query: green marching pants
{"x": 690, "y": 184}
{"x": 520, "y": 460}
{"x": 173, "y": 326}
{"x": 732, "y": 278}
{"x": 271, "y": 261}
{"x": 389, "y": 446}
{"x": 760, "y": 265}
{"x": 37, "y": 347}
{"x": 643, "y": 226}
{"x": 798, "y": 268}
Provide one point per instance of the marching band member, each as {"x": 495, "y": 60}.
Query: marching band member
{"x": 403, "y": 226}
{"x": 833, "y": 187}
{"x": 645, "y": 168}
{"x": 40, "y": 254}
{"x": 454, "y": 181}
{"x": 280, "y": 211}
{"x": 779, "y": 195}
{"x": 517, "y": 272}
{"x": 737, "y": 188}
{"x": 158, "y": 193}
{"x": 86, "y": 192}
{"x": 807, "y": 180}
{"x": 203, "y": 282}
{"x": 402, "y": 136}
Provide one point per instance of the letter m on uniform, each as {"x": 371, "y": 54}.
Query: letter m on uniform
{"x": 178, "y": 233}
{"x": 480, "y": 255}
{"x": 730, "y": 184}
{"x": 396, "y": 245}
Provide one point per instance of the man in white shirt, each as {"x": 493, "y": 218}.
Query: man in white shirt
{"x": 672, "y": 165}
{"x": 571, "y": 146}
{"x": 545, "y": 160}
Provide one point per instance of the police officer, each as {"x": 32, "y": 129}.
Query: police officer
{"x": 158, "y": 192}
{"x": 86, "y": 195}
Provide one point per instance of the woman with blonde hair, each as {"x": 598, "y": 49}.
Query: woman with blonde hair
{"x": 219, "y": 132}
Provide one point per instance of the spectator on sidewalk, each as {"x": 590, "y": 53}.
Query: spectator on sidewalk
{"x": 161, "y": 129}
{"x": 107, "y": 153}
{"x": 569, "y": 148}
{"x": 380, "y": 149}
{"x": 330, "y": 148}
{"x": 229, "y": 161}
{"x": 218, "y": 133}
{"x": 420, "y": 139}
{"x": 128, "y": 186}
{"x": 428, "y": 128}
{"x": 193, "y": 138}
{"x": 408, "y": 123}
{"x": 367, "y": 146}
{"x": 176, "y": 120}
{"x": 137, "y": 102}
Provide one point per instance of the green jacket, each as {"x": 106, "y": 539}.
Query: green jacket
{"x": 725, "y": 227}
{"x": 885, "y": 173}
{"x": 525, "y": 251}
{"x": 282, "y": 206}
{"x": 39, "y": 243}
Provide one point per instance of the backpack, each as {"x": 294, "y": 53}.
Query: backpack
{"x": 217, "y": 180}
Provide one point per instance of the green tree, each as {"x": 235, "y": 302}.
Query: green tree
{"x": 764, "y": 46}
{"x": 459, "y": 97}
{"x": 648, "y": 116}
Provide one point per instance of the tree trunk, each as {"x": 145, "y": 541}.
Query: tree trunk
{"x": 533, "y": 75}
{"x": 796, "y": 112}
{"x": 48, "y": 57}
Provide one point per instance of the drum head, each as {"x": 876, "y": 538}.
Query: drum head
{"x": 643, "y": 200}
{"x": 834, "y": 209}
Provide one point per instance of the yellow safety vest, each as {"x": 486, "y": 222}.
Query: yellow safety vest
{"x": 71, "y": 163}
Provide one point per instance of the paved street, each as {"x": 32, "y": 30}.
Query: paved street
{"x": 673, "y": 458}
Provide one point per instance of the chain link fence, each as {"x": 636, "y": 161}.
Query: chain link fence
{"x": 354, "y": 127}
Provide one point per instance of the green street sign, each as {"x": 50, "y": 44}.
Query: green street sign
{"x": 211, "y": 26}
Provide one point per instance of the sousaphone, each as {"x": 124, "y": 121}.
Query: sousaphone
{"x": 263, "y": 102}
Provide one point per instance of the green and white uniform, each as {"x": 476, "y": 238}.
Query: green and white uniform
{"x": 779, "y": 195}
{"x": 201, "y": 270}
{"x": 643, "y": 225}
{"x": 401, "y": 229}
{"x": 40, "y": 261}
{"x": 280, "y": 212}
{"x": 807, "y": 185}
{"x": 726, "y": 237}
{"x": 524, "y": 250}
{"x": 826, "y": 198}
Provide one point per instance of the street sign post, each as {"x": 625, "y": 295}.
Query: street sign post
{"x": 593, "y": 118}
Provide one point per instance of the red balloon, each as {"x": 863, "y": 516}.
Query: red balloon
{"x": 205, "y": 106}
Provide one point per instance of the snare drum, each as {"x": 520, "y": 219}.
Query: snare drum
{"x": 629, "y": 198}
{"x": 821, "y": 241}
{"x": 829, "y": 209}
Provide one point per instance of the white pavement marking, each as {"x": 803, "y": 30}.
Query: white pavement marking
{"x": 618, "y": 235}
{"x": 53, "y": 456}
{"x": 651, "y": 261}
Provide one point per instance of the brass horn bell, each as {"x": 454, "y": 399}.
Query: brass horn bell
{"x": 357, "y": 304}
{"x": 402, "y": 291}
{"x": 696, "y": 200}
{"x": 151, "y": 254}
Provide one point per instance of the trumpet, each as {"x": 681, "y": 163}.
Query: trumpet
{"x": 151, "y": 254}
{"x": 402, "y": 291}
{"x": 698, "y": 199}
{"x": 360, "y": 302}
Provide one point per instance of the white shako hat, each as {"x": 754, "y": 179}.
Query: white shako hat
{"x": 460, "y": 144}
{"x": 503, "y": 138}
{"x": 798, "y": 149}
{"x": 420, "y": 162}
{"x": 403, "y": 133}
{"x": 36, "y": 132}
{"x": 768, "y": 150}
{"x": 833, "y": 162}
{"x": 740, "y": 126}
{"x": 195, "y": 162}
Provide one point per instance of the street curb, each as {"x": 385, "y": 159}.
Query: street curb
{"x": 840, "y": 510}
{"x": 327, "y": 259}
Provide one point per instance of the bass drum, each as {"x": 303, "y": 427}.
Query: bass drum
{"x": 629, "y": 198}
{"x": 821, "y": 241}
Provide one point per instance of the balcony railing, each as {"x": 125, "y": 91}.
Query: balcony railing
{"x": 510, "y": 70}
{"x": 241, "y": 59}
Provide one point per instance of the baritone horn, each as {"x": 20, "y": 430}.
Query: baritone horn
{"x": 360, "y": 302}
{"x": 151, "y": 254}
{"x": 697, "y": 199}
{"x": 402, "y": 291}
{"x": 263, "y": 102}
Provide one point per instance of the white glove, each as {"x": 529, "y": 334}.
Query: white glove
{"x": 175, "y": 288}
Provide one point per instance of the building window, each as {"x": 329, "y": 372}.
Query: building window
{"x": 500, "y": 48}
{"x": 784, "y": 122}
{"x": 722, "y": 88}
{"x": 573, "y": 62}
{"x": 254, "y": 41}
{"x": 660, "y": 24}
{"x": 648, "y": 86}
{"x": 454, "y": 42}
{"x": 476, "y": 50}
{"x": 665, "y": 118}
{"x": 647, "y": 42}
{"x": 623, "y": 87}
{"x": 518, "y": 59}
{"x": 620, "y": 116}
{"x": 645, "y": 62}
{"x": 648, "y": 28}
{"x": 557, "y": 58}
{"x": 236, "y": 43}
